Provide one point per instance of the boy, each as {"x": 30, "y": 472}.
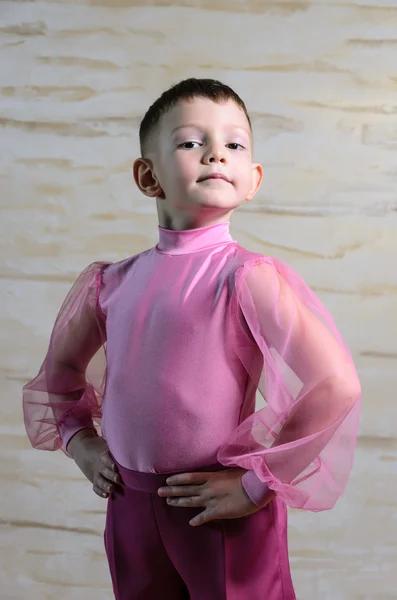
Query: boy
{"x": 192, "y": 328}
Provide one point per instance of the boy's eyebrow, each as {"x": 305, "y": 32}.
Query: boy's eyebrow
{"x": 199, "y": 126}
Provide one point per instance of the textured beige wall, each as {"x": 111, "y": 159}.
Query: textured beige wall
{"x": 320, "y": 80}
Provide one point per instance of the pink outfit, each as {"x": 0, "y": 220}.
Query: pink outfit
{"x": 191, "y": 328}
{"x": 154, "y": 553}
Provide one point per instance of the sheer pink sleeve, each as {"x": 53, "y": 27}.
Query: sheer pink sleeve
{"x": 301, "y": 444}
{"x": 66, "y": 395}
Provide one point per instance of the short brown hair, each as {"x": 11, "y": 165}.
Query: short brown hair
{"x": 185, "y": 90}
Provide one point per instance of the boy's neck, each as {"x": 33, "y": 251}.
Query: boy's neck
{"x": 187, "y": 241}
{"x": 183, "y": 222}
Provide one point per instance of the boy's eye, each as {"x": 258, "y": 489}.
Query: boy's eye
{"x": 236, "y": 144}
{"x": 185, "y": 144}
{"x": 190, "y": 145}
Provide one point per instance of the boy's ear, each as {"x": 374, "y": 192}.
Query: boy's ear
{"x": 145, "y": 178}
{"x": 257, "y": 177}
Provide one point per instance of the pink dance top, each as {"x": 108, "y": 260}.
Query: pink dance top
{"x": 166, "y": 349}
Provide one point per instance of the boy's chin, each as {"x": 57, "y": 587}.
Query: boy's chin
{"x": 212, "y": 196}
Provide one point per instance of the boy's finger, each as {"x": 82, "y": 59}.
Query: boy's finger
{"x": 186, "y": 490}
{"x": 104, "y": 484}
{"x": 99, "y": 492}
{"x": 204, "y": 517}
{"x": 110, "y": 475}
{"x": 108, "y": 462}
{"x": 186, "y": 478}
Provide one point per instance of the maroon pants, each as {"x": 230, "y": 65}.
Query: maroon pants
{"x": 154, "y": 554}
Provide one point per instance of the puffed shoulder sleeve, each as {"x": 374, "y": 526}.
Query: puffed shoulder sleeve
{"x": 301, "y": 444}
{"x": 66, "y": 394}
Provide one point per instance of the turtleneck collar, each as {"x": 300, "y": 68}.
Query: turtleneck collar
{"x": 192, "y": 240}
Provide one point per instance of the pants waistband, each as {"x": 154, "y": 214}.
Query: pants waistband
{"x": 150, "y": 482}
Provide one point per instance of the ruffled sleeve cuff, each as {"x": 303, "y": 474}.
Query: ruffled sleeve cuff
{"x": 71, "y": 426}
{"x": 255, "y": 488}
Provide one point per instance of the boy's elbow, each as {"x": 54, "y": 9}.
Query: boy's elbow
{"x": 347, "y": 389}
{"x": 61, "y": 377}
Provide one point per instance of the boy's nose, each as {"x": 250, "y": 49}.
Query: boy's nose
{"x": 216, "y": 156}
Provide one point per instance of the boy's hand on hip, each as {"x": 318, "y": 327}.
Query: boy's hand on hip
{"x": 221, "y": 493}
{"x": 90, "y": 453}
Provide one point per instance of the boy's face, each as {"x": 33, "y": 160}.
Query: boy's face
{"x": 199, "y": 138}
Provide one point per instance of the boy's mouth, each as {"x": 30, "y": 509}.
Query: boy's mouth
{"x": 214, "y": 176}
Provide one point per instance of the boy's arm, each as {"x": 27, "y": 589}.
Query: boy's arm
{"x": 302, "y": 443}
{"x": 60, "y": 401}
